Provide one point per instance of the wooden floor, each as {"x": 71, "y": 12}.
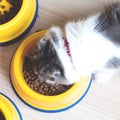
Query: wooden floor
{"x": 102, "y": 101}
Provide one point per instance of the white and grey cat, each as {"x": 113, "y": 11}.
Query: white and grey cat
{"x": 94, "y": 45}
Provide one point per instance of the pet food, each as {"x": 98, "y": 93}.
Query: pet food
{"x": 2, "y": 117}
{"x": 33, "y": 81}
{"x": 5, "y": 14}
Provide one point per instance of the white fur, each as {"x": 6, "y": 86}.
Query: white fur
{"x": 90, "y": 50}
{"x": 69, "y": 71}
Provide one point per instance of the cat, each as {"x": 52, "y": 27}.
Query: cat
{"x": 91, "y": 47}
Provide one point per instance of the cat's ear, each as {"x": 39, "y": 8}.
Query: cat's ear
{"x": 42, "y": 42}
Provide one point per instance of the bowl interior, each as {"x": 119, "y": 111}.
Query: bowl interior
{"x": 9, "y": 9}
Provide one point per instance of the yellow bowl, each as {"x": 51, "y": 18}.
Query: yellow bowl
{"x": 9, "y": 109}
{"x": 38, "y": 101}
{"x": 20, "y": 25}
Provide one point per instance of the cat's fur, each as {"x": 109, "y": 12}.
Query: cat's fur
{"x": 94, "y": 45}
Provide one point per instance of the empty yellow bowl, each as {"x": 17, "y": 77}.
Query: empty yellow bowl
{"x": 9, "y": 109}
{"x": 20, "y": 25}
{"x": 38, "y": 101}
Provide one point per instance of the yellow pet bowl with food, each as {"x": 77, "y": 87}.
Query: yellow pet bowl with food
{"x": 38, "y": 101}
{"x": 16, "y": 19}
{"x": 8, "y": 109}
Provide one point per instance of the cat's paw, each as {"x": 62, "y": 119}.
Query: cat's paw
{"x": 101, "y": 78}
{"x": 54, "y": 34}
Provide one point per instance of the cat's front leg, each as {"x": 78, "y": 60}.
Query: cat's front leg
{"x": 72, "y": 31}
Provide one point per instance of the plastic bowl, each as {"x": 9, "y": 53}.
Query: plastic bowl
{"x": 19, "y": 26}
{"x": 38, "y": 101}
{"x": 9, "y": 109}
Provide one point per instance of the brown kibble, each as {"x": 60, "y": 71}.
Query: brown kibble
{"x": 53, "y": 89}
{"x": 31, "y": 85}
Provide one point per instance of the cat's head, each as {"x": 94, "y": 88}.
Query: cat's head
{"x": 53, "y": 60}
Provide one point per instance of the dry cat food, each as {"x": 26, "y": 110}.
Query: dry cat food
{"x": 7, "y": 14}
{"x": 2, "y": 116}
{"x": 32, "y": 79}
